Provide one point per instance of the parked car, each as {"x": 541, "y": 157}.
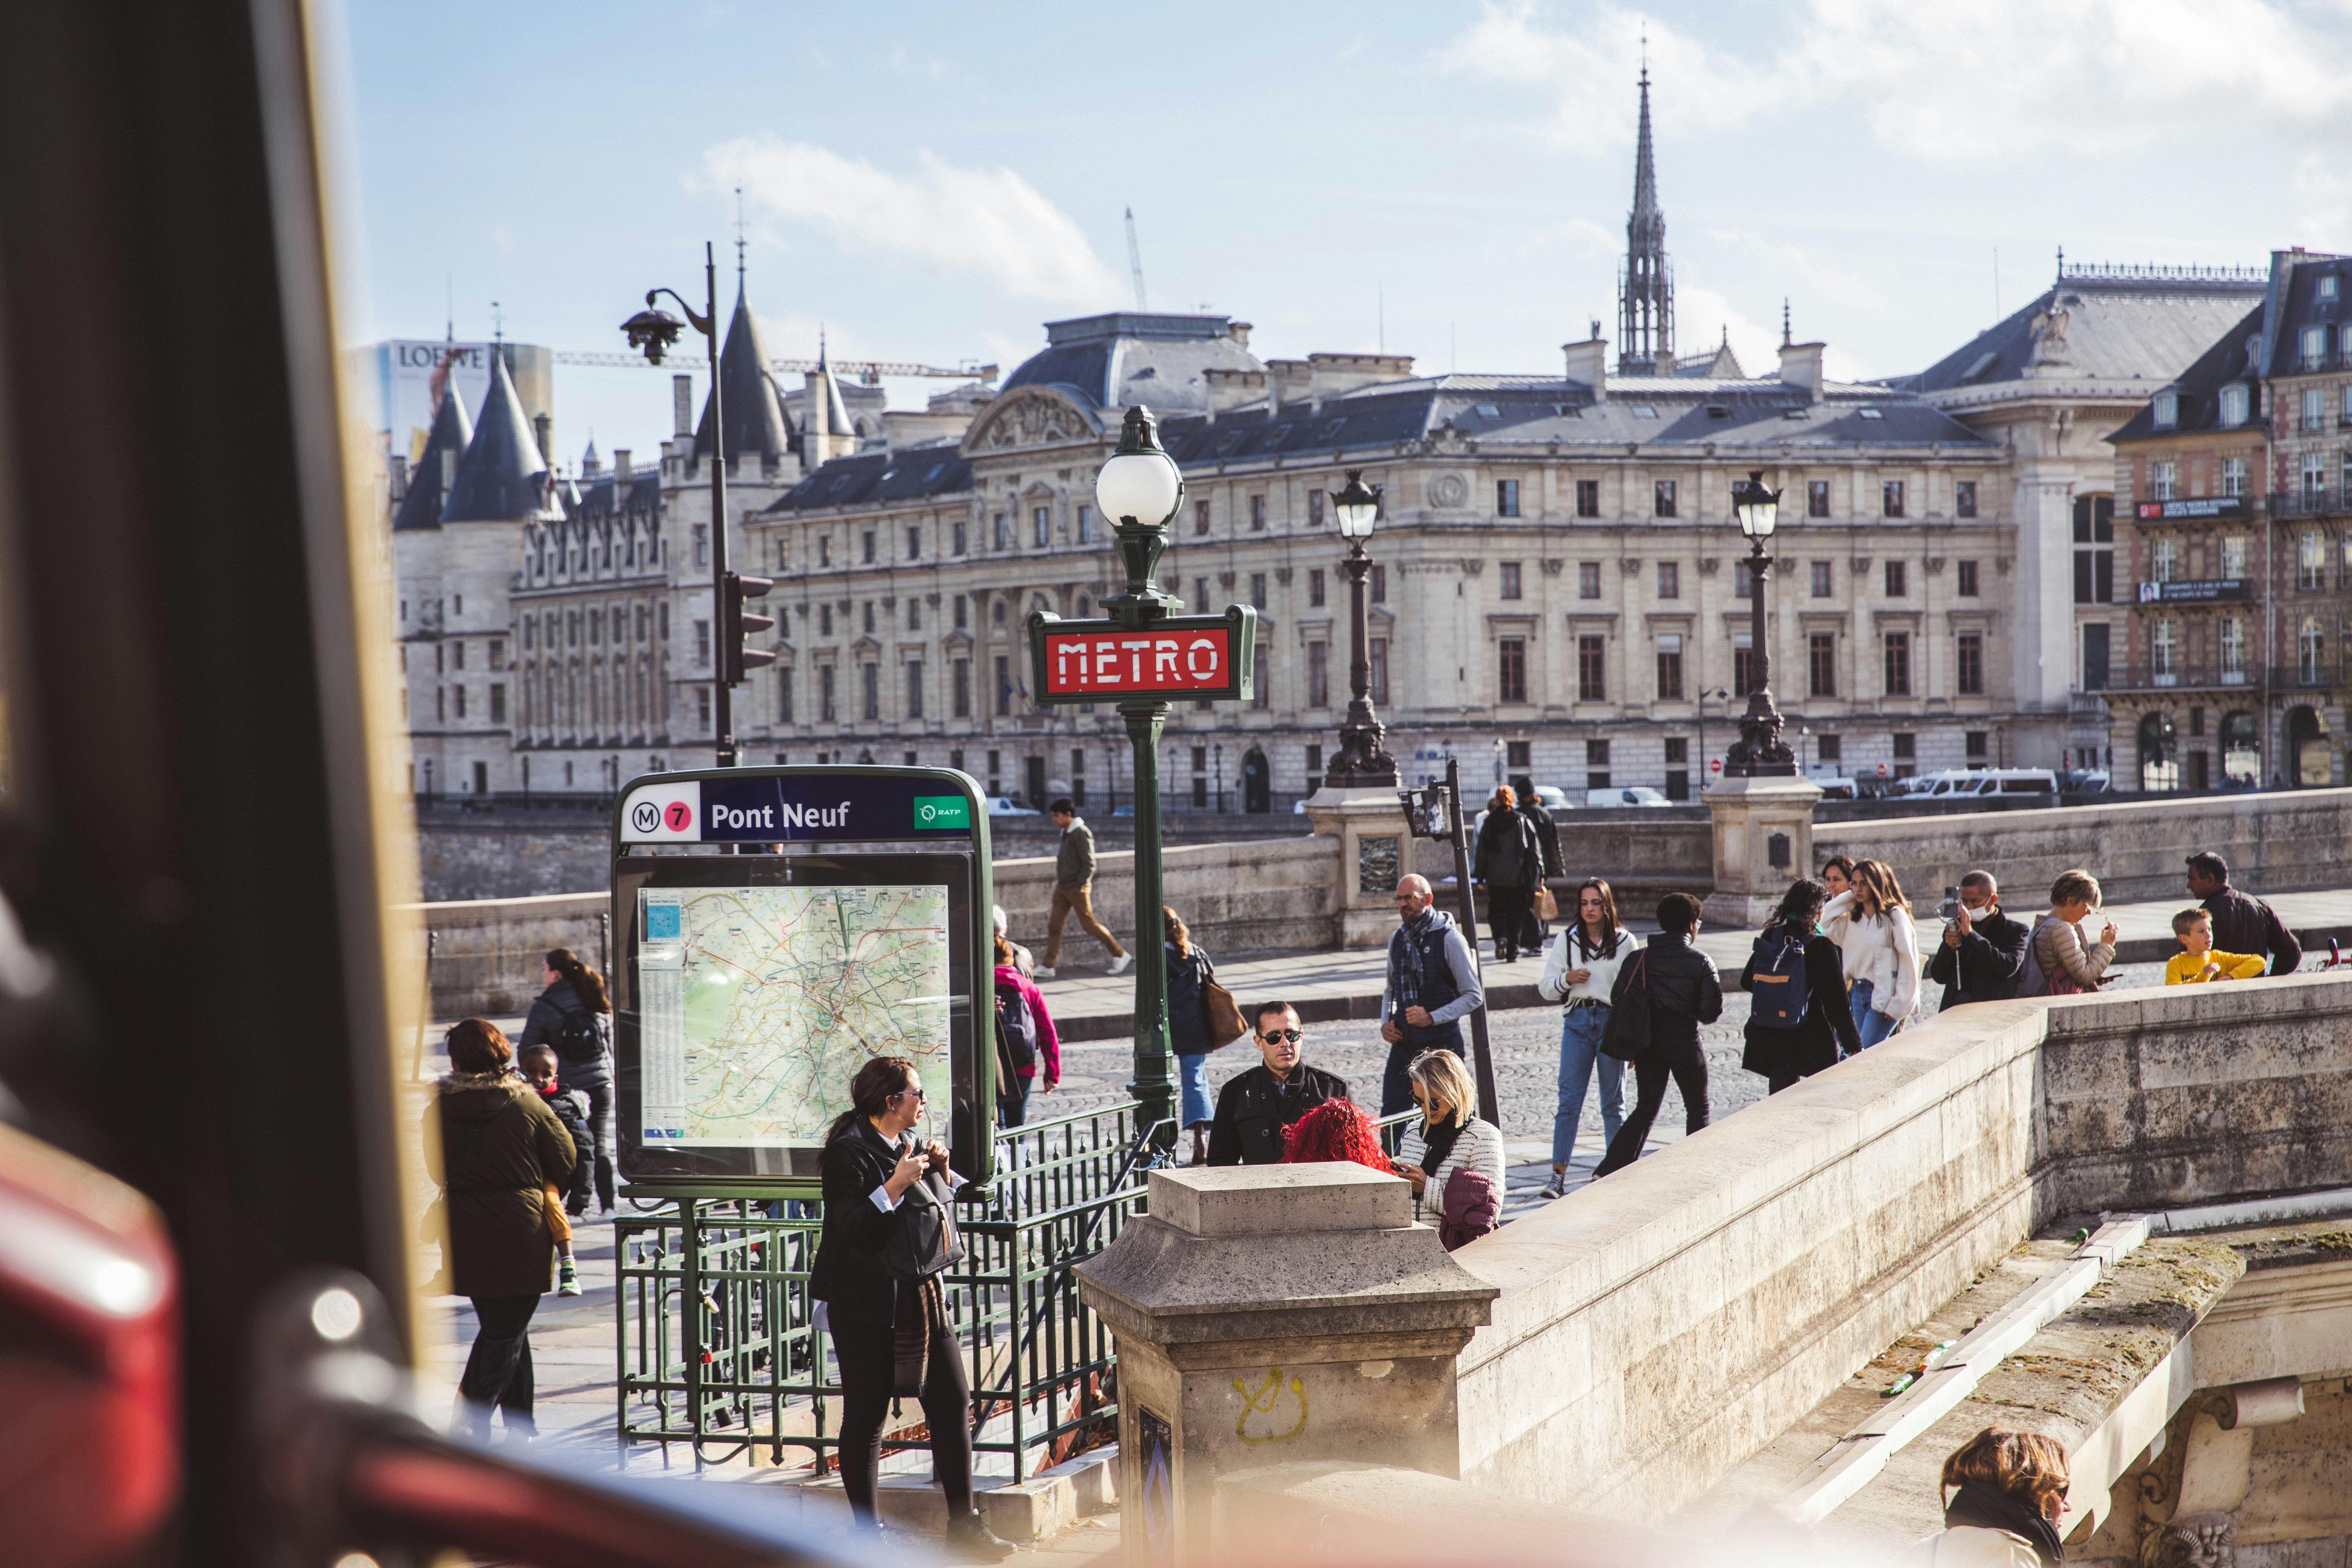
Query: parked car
{"x": 1002, "y": 805}
{"x": 1631, "y": 794}
{"x": 1551, "y": 797}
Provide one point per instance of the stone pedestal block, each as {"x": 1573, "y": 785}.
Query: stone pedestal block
{"x": 1375, "y": 852}
{"x": 1763, "y": 841}
{"x": 1275, "y": 1314}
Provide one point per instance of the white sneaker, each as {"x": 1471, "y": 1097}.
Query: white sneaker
{"x": 1043, "y": 973}
{"x": 1119, "y": 965}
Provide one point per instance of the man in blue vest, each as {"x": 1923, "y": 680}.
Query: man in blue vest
{"x": 1432, "y": 984}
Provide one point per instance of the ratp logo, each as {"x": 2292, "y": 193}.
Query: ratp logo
{"x": 645, "y": 816}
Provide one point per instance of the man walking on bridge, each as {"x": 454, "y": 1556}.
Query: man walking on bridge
{"x": 1073, "y": 891}
{"x": 1432, "y": 986}
{"x": 2241, "y": 922}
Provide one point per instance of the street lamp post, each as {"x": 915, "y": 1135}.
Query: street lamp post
{"x": 1219, "y": 751}
{"x": 1759, "y": 752}
{"x": 655, "y": 332}
{"x": 1720, "y": 695}
{"x": 1362, "y": 761}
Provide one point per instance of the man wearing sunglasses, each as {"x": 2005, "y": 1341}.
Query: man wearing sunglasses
{"x": 1255, "y": 1105}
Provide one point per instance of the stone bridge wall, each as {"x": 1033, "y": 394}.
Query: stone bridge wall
{"x": 1657, "y": 1328}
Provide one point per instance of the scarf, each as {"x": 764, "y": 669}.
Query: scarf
{"x": 1437, "y": 1140}
{"x": 1979, "y": 1505}
{"x": 1410, "y": 946}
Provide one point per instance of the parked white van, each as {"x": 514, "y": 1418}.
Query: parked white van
{"x": 1636, "y": 794}
{"x": 1954, "y": 781}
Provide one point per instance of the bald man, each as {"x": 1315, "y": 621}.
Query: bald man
{"x": 1432, "y": 984}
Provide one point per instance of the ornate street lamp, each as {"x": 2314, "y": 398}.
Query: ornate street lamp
{"x": 1362, "y": 761}
{"x": 1759, "y": 752}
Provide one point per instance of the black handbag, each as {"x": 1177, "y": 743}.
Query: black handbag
{"x": 1627, "y": 1033}
{"x": 925, "y": 1240}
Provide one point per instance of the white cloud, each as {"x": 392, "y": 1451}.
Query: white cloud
{"x": 988, "y": 221}
{"x": 1950, "y": 83}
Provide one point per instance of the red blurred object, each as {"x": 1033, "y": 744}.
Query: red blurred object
{"x": 89, "y": 1465}
{"x": 1335, "y": 1130}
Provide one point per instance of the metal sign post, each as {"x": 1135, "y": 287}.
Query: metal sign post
{"x": 778, "y": 928}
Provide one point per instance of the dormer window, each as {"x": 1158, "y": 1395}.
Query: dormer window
{"x": 2315, "y": 348}
{"x": 2168, "y": 410}
{"x": 2234, "y": 404}
{"x": 2327, "y": 287}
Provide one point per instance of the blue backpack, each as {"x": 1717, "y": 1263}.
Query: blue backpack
{"x": 1777, "y": 979}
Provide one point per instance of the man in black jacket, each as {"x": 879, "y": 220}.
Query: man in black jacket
{"x": 1255, "y": 1105}
{"x": 1684, "y": 992}
{"x": 1983, "y": 950}
{"x": 2241, "y": 922}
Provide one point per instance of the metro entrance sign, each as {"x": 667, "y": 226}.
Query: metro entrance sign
{"x": 1210, "y": 657}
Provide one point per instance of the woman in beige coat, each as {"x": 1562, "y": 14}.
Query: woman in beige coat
{"x": 2003, "y": 1492}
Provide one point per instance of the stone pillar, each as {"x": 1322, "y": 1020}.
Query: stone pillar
{"x": 1763, "y": 841}
{"x": 1273, "y": 1314}
{"x": 1375, "y": 850}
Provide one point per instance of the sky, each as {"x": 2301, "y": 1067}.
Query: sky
{"x": 1444, "y": 178}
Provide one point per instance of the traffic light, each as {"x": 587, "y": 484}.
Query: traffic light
{"x": 735, "y": 624}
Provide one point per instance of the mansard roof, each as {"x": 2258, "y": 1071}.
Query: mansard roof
{"x": 879, "y": 479}
{"x": 2295, "y": 302}
{"x": 1131, "y": 356}
{"x": 2232, "y": 358}
{"x": 2119, "y": 324}
{"x": 502, "y": 478}
{"x": 452, "y": 433}
{"x": 603, "y": 493}
{"x": 756, "y": 421}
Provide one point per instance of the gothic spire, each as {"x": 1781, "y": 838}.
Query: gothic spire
{"x": 1646, "y": 312}
{"x": 755, "y": 418}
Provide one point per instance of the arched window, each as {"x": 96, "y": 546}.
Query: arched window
{"x": 2159, "y": 760}
{"x": 2242, "y": 751}
{"x": 2308, "y": 744}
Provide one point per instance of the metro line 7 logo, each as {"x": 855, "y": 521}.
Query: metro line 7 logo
{"x": 677, "y": 816}
{"x": 645, "y": 816}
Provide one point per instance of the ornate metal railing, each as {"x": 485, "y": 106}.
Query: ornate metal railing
{"x": 718, "y": 1343}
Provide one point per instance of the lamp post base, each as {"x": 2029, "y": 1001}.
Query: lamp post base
{"x": 1375, "y": 851}
{"x": 1760, "y": 751}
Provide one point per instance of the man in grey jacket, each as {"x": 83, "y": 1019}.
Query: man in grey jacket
{"x": 1074, "y": 878}
{"x": 1432, "y": 984}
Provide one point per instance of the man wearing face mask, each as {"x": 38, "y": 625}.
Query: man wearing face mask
{"x": 1983, "y": 950}
{"x": 1256, "y": 1104}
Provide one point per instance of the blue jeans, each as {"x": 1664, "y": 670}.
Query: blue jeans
{"x": 1580, "y": 1054}
{"x": 1868, "y": 1022}
{"x": 1192, "y": 1082}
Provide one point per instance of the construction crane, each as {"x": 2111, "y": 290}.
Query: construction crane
{"x": 1135, "y": 263}
{"x": 869, "y": 371}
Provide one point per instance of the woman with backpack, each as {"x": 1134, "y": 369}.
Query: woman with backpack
{"x": 1510, "y": 862}
{"x": 879, "y": 1292}
{"x": 1800, "y": 1023}
{"x": 1580, "y": 972}
{"x": 1188, "y": 974}
{"x": 1025, "y": 1038}
{"x": 2057, "y": 963}
{"x": 573, "y": 1017}
{"x": 1870, "y": 924}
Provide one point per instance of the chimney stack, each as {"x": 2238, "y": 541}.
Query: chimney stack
{"x": 1588, "y": 365}
{"x": 1287, "y": 381}
{"x": 681, "y": 406}
{"x": 1800, "y": 367}
{"x": 1232, "y": 388}
{"x": 543, "y": 426}
{"x": 621, "y": 471}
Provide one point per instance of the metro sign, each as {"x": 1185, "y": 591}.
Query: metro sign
{"x": 1198, "y": 657}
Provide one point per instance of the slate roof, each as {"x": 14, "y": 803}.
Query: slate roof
{"x": 501, "y": 477}
{"x": 878, "y": 478}
{"x": 596, "y": 498}
{"x": 452, "y": 433}
{"x": 2294, "y": 303}
{"x": 2200, "y": 388}
{"x": 2118, "y": 329}
{"x": 1130, "y": 356}
{"x": 756, "y": 421}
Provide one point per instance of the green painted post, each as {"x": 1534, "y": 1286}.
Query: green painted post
{"x": 1155, "y": 1064}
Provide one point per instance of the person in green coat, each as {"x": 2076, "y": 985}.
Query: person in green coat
{"x": 502, "y": 1150}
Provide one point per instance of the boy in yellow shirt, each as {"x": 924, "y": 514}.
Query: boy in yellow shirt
{"x": 2197, "y": 962}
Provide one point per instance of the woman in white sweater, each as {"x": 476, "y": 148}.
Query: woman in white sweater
{"x": 1581, "y": 973}
{"x": 1870, "y": 924}
{"x": 1451, "y": 1135}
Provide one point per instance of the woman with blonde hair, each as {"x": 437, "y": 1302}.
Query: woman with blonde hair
{"x": 2056, "y": 951}
{"x": 2003, "y": 1493}
{"x": 1452, "y": 1137}
{"x": 1870, "y": 924}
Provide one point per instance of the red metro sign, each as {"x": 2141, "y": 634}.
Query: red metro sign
{"x": 1178, "y": 656}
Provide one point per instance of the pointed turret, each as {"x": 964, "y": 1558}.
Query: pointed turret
{"x": 828, "y": 433}
{"x": 590, "y": 465}
{"x": 501, "y": 477}
{"x": 1645, "y": 339}
{"x": 756, "y": 424}
{"x": 429, "y": 478}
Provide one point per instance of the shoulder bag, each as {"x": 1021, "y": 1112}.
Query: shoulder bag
{"x": 1224, "y": 1013}
{"x": 925, "y": 1241}
{"x": 1627, "y": 1033}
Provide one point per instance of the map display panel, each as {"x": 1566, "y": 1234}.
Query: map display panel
{"x": 759, "y": 1004}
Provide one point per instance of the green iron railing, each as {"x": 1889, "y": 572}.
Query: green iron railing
{"x": 717, "y": 1346}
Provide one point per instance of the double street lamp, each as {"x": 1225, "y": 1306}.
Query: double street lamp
{"x": 1362, "y": 761}
{"x": 1759, "y": 752}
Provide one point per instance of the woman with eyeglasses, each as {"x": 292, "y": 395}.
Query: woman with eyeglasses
{"x": 891, "y": 1336}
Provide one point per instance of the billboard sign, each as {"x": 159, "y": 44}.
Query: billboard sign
{"x": 2191, "y": 510}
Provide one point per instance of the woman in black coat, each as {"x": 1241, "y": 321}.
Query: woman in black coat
{"x": 890, "y": 1336}
{"x": 1826, "y": 1031}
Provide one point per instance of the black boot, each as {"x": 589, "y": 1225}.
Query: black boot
{"x": 970, "y": 1539}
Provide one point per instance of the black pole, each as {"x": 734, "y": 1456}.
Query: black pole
{"x": 1155, "y": 1065}
{"x": 1482, "y": 1056}
{"x": 722, "y": 705}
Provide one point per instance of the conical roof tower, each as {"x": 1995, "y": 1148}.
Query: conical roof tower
{"x": 829, "y": 434}
{"x": 436, "y": 466}
{"x": 755, "y": 416}
{"x": 1645, "y": 331}
{"x": 502, "y": 478}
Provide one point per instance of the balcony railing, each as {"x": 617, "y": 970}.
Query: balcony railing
{"x": 2184, "y": 677}
{"x": 2314, "y": 501}
{"x": 2326, "y": 675}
